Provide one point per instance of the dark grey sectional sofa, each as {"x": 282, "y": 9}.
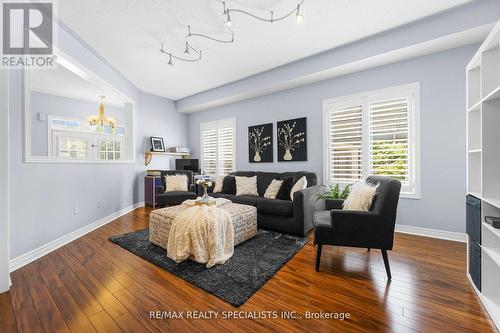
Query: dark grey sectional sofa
{"x": 287, "y": 216}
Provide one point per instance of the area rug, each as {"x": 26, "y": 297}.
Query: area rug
{"x": 253, "y": 263}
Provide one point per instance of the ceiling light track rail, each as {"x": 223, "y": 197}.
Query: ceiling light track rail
{"x": 190, "y": 50}
{"x": 227, "y": 41}
{"x": 271, "y": 19}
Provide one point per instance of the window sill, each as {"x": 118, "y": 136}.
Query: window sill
{"x": 410, "y": 196}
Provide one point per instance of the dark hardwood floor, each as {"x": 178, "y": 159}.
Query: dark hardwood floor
{"x": 93, "y": 285}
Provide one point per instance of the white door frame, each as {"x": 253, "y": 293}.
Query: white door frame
{"x": 4, "y": 181}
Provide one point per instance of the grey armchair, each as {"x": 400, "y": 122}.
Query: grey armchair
{"x": 372, "y": 229}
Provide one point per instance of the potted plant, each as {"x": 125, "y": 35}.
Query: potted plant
{"x": 334, "y": 192}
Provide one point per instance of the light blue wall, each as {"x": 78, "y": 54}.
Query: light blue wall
{"x": 442, "y": 79}
{"x": 52, "y": 105}
{"x": 42, "y": 195}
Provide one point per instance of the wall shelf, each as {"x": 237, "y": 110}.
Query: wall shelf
{"x": 494, "y": 254}
{"x": 494, "y": 231}
{"x": 148, "y": 156}
{"x": 495, "y": 94}
{"x": 476, "y": 107}
{"x": 483, "y": 164}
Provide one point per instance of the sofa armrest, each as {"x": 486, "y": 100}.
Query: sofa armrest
{"x": 192, "y": 188}
{"x": 333, "y": 204}
{"x": 305, "y": 203}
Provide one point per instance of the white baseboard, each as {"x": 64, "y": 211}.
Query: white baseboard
{"x": 441, "y": 234}
{"x": 39, "y": 252}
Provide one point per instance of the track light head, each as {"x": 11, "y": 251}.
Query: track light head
{"x": 170, "y": 60}
{"x": 228, "y": 20}
{"x": 186, "y": 51}
{"x": 298, "y": 15}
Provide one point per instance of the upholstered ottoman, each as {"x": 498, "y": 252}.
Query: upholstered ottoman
{"x": 244, "y": 220}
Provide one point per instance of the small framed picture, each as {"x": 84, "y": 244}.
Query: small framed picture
{"x": 157, "y": 144}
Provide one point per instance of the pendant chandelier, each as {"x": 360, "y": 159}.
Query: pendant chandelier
{"x": 101, "y": 120}
{"x": 191, "y": 54}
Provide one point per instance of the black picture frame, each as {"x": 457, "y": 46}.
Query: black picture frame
{"x": 157, "y": 144}
{"x": 260, "y": 143}
{"x": 292, "y": 140}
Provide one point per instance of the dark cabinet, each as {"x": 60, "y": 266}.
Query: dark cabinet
{"x": 473, "y": 218}
{"x": 475, "y": 263}
{"x": 473, "y": 228}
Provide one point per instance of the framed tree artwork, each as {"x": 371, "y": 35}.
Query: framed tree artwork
{"x": 260, "y": 143}
{"x": 292, "y": 140}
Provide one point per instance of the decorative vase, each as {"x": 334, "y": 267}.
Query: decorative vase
{"x": 288, "y": 155}
{"x": 257, "y": 158}
{"x": 205, "y": 196}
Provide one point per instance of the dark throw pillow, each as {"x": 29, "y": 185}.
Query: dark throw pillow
{"x": 286, "y": 187}
{"x": 229, "y": 185}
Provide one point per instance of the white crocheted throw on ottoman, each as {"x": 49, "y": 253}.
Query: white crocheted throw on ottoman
{"x": 205, "y": 234}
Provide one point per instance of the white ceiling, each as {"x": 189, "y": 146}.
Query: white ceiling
{"x": 128, "y": 34}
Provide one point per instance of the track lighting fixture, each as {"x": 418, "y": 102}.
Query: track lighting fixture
{"x": 298, "y": 15}
{"x": 195, "y": 55}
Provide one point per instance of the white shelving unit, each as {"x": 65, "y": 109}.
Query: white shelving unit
{"x": 483, "y": 161}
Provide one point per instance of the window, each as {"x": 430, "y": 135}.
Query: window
{"x": 72, "y": 147}
{"x": 109, "y": 149}
{"x": 374, "y": 133}
{"x": 218, "y": 147}
{"x": 75, "y": 139}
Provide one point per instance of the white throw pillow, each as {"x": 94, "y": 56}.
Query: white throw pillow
{"x": 301, "y": 184}
{"x": 361, "y": 197}
{"x": 273, "y": 189}
{"x": 218, "y": 184}
{"x": 246, "y": 185}
{"x": 176, "y": 183}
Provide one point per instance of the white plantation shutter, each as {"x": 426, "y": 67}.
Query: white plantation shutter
{"x": 389, "y": 139}
{"x": 218, "y": 147}
{"x": 374, "y": 133}
{"x": 225, "y": 150}
{"x": 209, "y": 150}
{"x": 346, "y": 144}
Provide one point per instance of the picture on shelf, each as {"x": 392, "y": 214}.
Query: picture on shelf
{"x": 260, "y": 143}
{"x": 157, "y": 144}
{"x": 292, "y": 140}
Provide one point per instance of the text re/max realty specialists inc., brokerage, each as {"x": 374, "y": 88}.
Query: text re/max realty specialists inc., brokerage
{"x": 201, "y": 315}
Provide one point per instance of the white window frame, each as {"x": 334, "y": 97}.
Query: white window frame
{"x": 412, "y": 91}
{"x": 228, "y": 122}
{"x": 54, "y": 144}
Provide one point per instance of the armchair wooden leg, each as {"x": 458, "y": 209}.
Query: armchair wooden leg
{"x": 369, "y": 249}
{"x": 386, "y": 263}
{"x": 318, "y": 256}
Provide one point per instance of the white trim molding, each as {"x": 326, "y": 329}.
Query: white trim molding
{"x": 4, "y": 181}
{"x": 39, "y": 252}
{"x": 433, "y": 233}
{"x": 92, "y": 78}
